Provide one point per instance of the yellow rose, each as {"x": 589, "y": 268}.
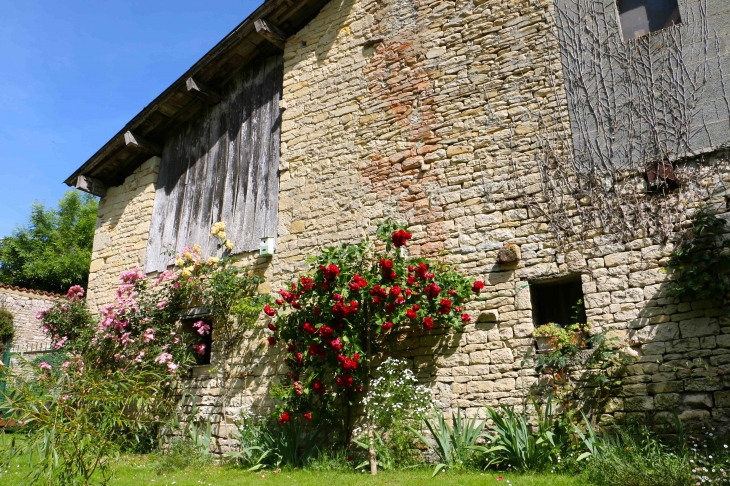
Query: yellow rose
{"x": 222, "y": 235}
{"x": 196, "y": 249}
{"x": 212, "y": 261}
{"x": 188, "y": 255}
{"x": 180, "y": 262}
{"x": 229, "y": 244}
{"x": 186, "y": 273}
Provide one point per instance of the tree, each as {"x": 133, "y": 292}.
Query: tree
{"x": 52, "y": 251}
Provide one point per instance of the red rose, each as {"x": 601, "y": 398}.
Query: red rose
{"x": 400, "y": 300}
{"x": 400, "y": 237}
{"x": 390, "y": 308}
{"x": 326, "y": 331}
{"x": 358, "y": 388}
{"x": 444, "y": 306}
{"x": 379, "y": 291}
{"x": 387, "y": 326}
{"x": 477, "y": 286}
{"x": 291, "y": 348}
{"x": 465, "y": 318}
{"x": 308, "y": 416}
{"x": 308, "y": 328}
{"x": 356, "y": 356}
{"x": 416, "y": 307}
{"x": 317, "y": 310}
{"x": 279, "y": 302}
{"x": 297, "y": 388}
{"x": 411, "y": 314}
{"x": 330, "y": 272}
{"x": 307, "y": 284}
{"x": 269, "y": 311}
{"x": 411, "y": 280}
{"x": 284, "y": 418}
{"x": 422, "y": 270}
{"x": 386, "y": 264}
{"x": 313, "y": 350}
{"x": 296, "y": 305}
{"x": 272, "y": 327}
{"x": 272, "y": 340}
{"x": 337, "y": 296}
{"x": 350, "y": 458}
{"x": 344, "y": 381}
{"x": 318, "y": 386}
{"x": 357, "y": 283}
{"x": 432, "y": 290}
{"x": 336, "y": 344}
{"x": 427, "y": 323}
{"x": 395, "y": 291}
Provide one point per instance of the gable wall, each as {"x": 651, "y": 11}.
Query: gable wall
{"x": 426, "y": 127}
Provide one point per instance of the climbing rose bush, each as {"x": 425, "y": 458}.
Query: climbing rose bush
{"x": 141, "y": 328}
{"x": 353, "y": 298}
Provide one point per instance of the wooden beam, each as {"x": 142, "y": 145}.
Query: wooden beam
{"x": 270, "y": 32}
{"x": 90, "y": 185}
{"x": 140, "y": 143}
{"x": 200, "y": 90}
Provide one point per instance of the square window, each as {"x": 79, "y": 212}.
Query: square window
{"x": 196, "y": 339}
{"x": 640, "y": 17}
{"x": 559, "y": 301}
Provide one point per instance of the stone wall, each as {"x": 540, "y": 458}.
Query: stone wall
{"x": 122, "y": 230}
{"x": 24, "y": 304}
{"x": 413, "y": 110}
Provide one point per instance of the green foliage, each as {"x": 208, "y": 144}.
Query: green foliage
{"x": 7, "y": 331}
{"x": 73, "y": 423}
{"x": 454, "y": 446}
{"x": 597, "y": 360}
{"x": 514, "y": 444}
{"x": 53, "y": 358}
{"x": 189, "y": 446}
{"x": 703, "y": 260}
{"x": 636, "y": 458}
{"x": 53, "y": 250}
{"x": 264, "y": 444}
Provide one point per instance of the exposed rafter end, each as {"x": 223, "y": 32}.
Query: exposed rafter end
{"x": 200, "y": 90}
{"x": 140, "y": 143}
{"x": 270, "y": 32}
{"x": 90, "y": 185}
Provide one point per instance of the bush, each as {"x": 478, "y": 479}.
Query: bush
{"x": 7, "y": 331}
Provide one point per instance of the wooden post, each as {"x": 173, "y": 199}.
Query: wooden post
{"x": 270, "y": 32}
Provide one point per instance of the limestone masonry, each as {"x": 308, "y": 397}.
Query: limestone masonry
{"x": 411, "y": 110}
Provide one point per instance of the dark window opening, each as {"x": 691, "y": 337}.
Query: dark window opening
{"x": 196, "y": 340}
{"x": 559, "y": 301}
{"x": 640, "y": 17}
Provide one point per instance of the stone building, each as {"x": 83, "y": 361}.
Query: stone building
{"x": 313, "y": 120}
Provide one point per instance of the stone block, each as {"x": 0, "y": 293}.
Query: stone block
{"x": 703, "y": 326}
{"x": 502, "y": 356}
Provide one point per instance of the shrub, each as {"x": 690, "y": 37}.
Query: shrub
{"x": 395, "y": 404}
{"x": 7, "y": 331}
{"x": 74, "y": 420}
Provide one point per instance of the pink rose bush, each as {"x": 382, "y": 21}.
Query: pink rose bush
{"x": 355, "y": 294}
{"x": 141, "y": 326}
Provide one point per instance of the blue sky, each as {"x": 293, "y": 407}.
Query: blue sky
{"x": 72, "y": 73}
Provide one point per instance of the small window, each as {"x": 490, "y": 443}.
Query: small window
{"x": 640, "y": 17}
{"x": 201, "y": 343}
{"x": 559, "y": 301}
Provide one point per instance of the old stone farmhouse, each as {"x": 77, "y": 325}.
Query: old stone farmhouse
{"x": 584, "y": 134}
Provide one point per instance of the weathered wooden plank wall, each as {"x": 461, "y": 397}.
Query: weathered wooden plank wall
{"x": 222, "y": 166}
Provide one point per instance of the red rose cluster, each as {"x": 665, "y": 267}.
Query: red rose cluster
{"x": 326, "y": 346}
{"x": 400, "y": 237}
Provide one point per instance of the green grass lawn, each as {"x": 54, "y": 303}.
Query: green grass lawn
{"x": 130, "y": 474}
{"x": 140, "y": 470}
